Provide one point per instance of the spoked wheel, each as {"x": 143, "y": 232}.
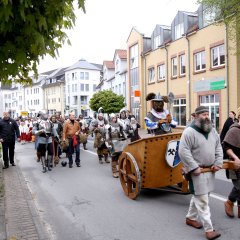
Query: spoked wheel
{"x": 129, "y": 175}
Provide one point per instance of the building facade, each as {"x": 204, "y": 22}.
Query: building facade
{"x": 81, "y": 80}
{"x": 192, "y": 59}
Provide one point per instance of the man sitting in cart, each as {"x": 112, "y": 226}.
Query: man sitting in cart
{"x": 159, "y": 120}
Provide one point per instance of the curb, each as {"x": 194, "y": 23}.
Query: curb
{"x": 3, "y": 234}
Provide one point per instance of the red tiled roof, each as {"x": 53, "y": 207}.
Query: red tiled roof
{"x": 109, "y": 64}
{"x": 121, "y": 53}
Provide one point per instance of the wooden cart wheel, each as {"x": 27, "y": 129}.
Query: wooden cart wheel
{"x": 129, "y": 175}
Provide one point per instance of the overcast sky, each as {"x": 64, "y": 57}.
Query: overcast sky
{"x": 107, "y": 24}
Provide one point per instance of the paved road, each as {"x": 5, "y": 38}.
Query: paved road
{"x": 88, "y": 204}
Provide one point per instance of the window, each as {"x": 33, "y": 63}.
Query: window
{"x": 208, "y": 17}
{"x": 75, "y": 100}
{"x": 174, "y": 67}
{"x": 83, "y": 100}
{"x": 81, "y": 75}
{"x": 134, "y": 56}
{"x": 151, "y": 75}
{"x": 82, "y": 87}
{"x": 217, "y": 56}
{"x": 86, "y": 75}
{"x": 199, "y": 61}
{"x": 182, "y": 60}
{"x": 68, "y": 76}
{"x": 156, "y": 42}
{"x": 87, "y": 87}
{"x": 179, "y": 30}
{"x": 94, "y": 87}
{"x": 212, "y": 102}
{"x": 161, "y": 72}
{"x": 179, "y": 111}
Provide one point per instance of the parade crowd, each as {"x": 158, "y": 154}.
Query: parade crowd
{"x": 200, "y": 147}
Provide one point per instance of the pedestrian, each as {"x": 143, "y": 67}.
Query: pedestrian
{"x": 230, "y": 120}
{"x": 59, "y": 128}
{"x": 116, "y": 142}
{"x": 45, "y": 131}
{"x": 71, "y": 133}
{"x": 24, "y": 130}
{"x": 124, "y": 121}
{"x": 84, "y": 131}
{"x": 231, "y": 145}
{"x": 200, "y": 147}
{"x": 98, "y": 127}
{"x": 8, "y": 132}
{"x": 134, "y": 126}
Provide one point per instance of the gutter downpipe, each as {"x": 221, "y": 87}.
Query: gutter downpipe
{"x": 189, "y": 80}
{"x": 166, "y": 71}
{"x": 145, "y": 84}
{"x": 227, "y": 69}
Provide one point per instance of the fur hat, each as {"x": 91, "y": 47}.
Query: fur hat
{"x": 201, "y": 109}
{"x": 158, "y": 97}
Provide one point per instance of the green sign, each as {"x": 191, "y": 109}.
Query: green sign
{"x": 217, "y": 85}
{"x": 209, "y": 84}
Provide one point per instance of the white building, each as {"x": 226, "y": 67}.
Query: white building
{"x": 115, "y": 74}
{"x": 81, "y": 80}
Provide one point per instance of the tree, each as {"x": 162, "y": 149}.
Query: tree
{"x": 29, "y": 30}
{"x": 108, "y": 100}
{"x": 227, "y": 11}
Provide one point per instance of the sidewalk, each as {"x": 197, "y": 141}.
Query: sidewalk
{"x": 19, "y": 219}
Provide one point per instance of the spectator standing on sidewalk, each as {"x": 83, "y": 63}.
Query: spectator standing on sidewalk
{"x": 71, "y": 132}
{"x": 200, "y": 147}
{"x": 8, "y": 132}
{"x": 230, "y": 120}
{"x": 231, "y": 145}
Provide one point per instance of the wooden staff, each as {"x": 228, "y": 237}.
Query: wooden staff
{"x": 226, "y": 165}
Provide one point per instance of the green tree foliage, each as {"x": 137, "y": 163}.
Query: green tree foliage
{"x": 227, "y": 11}
{"x": 30, "y": 29}
{"x": 108, "y": 100}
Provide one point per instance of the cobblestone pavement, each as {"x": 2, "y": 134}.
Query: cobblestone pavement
{"x": 19, "y": 219}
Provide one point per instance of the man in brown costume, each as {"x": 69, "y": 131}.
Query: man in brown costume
{"x": 231, "y": 145}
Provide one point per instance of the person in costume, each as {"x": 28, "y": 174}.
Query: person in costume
{"x": 45, "y": 131}
{"x": 199, "y": 148}
{"x": 159, "y": 121}
{"x": 124, "y": 121}
{"x": 115, "y": 141}
{"x": 98, "y": 127}
{"x": 84, "y": 131}
{"x": 231, "y": 146}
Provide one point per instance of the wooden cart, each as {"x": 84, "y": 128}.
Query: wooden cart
{"x": 153, "y": 163}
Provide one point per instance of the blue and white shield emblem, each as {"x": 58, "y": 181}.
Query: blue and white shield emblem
{"x": 172, "y": 157}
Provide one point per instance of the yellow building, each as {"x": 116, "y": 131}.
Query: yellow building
{"x": 192, "y": 59}
{"x": 54, "y": 87}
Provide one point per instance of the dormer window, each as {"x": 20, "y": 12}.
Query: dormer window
{"x": 179, "y": 30}
{"x": 157, "y": 41}
{"x": 208, "y": 17}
